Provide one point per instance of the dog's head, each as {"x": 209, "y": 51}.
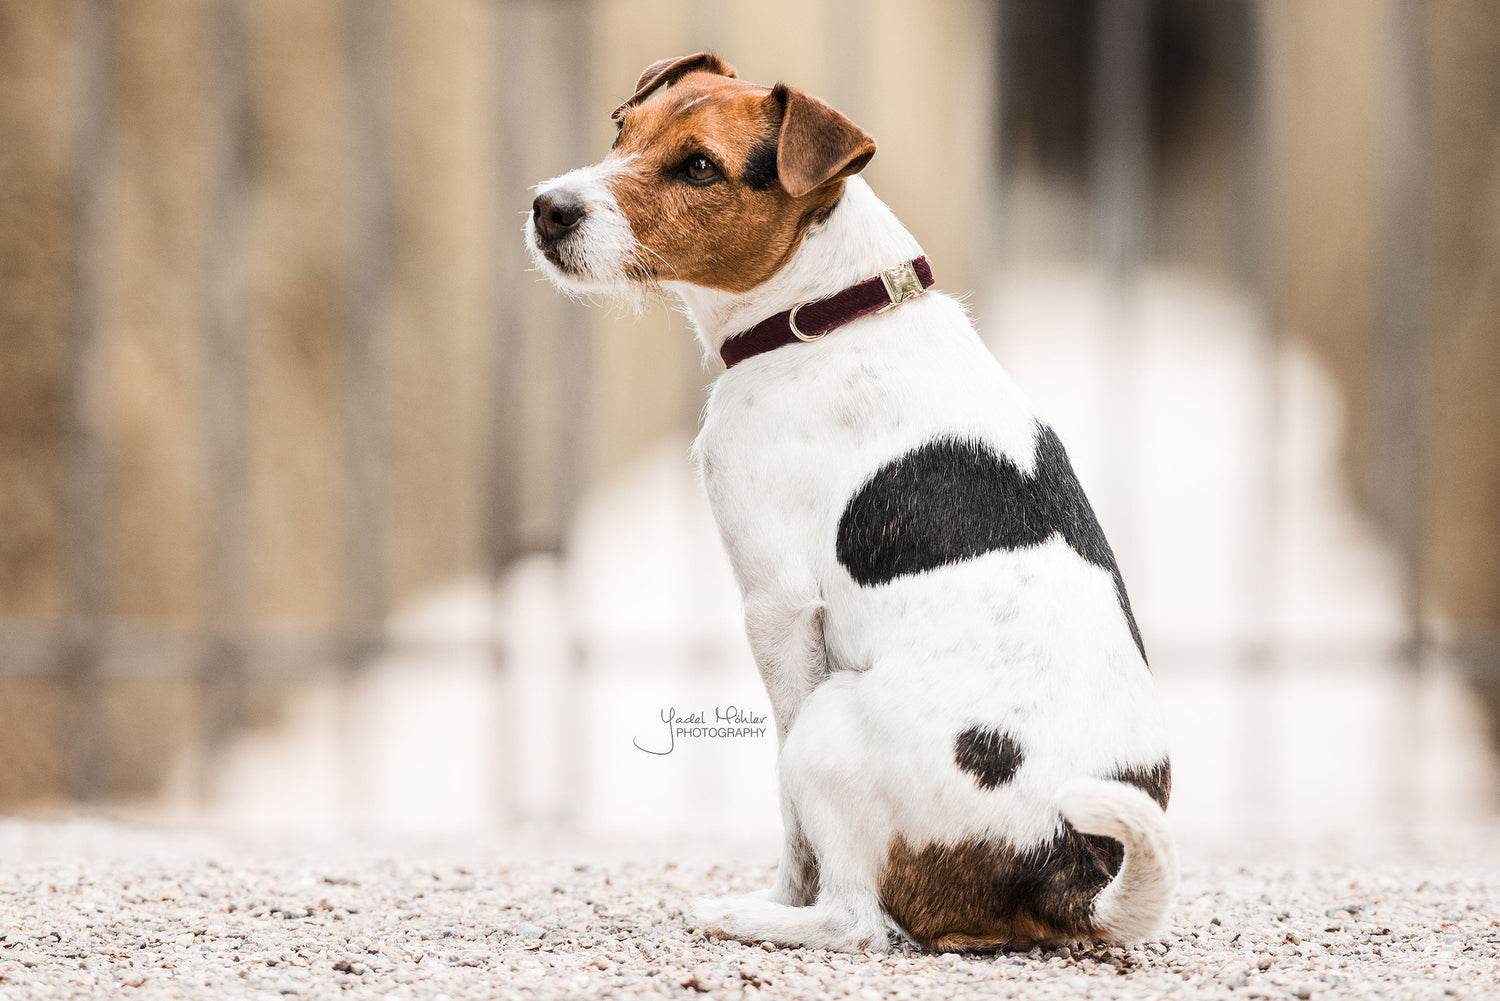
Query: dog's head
{"x": 712, "y": 181}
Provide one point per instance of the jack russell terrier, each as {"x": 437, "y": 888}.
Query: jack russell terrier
{"x": 971, "y": 753}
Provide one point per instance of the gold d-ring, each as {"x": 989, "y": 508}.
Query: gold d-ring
{"x": 792, "y": 322}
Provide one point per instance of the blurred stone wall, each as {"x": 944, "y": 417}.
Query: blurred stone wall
{"x": 230, "y": 497}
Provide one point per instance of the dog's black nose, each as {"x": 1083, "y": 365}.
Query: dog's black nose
{"x": 556, "y": 213}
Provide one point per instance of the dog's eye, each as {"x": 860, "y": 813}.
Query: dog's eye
{"x": 619, "y": 131}
{"x": 700, "y": 170}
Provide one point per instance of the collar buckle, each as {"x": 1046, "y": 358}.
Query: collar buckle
{"x": 901, "y": 283}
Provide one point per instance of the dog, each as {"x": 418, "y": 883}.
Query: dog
{"x": 971, "y": 756}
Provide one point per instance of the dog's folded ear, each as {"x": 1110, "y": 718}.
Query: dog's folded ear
{"x": 665, "y": 71}
{"x": 817, "y": 145}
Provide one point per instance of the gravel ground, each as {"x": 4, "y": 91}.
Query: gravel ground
{"x": 90, "y": 905}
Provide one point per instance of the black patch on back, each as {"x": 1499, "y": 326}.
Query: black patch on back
{"x": 1154, "y": 780}
{"x": 760, "y": 169}
{"x": 951, "y": 500}
{"x": 990, "y": 756}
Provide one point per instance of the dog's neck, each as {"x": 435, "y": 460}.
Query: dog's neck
{"x": 860, "y": 237}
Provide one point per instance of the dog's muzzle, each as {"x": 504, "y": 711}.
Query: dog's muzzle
{"x": 578, "y": 236}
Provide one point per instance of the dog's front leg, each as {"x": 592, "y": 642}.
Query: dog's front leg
{"x": 797, "y": 871}
{"x": 786, "y": 637}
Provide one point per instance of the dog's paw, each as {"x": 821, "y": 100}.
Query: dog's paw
{"x": 754, "y": 918}
{"x": 711, "y": 916}
{"x": 736, "y": 917}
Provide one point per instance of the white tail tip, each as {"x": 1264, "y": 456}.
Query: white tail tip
{"x": 1134, "y": 905}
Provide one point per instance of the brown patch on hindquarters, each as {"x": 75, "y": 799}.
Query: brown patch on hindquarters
{"x": 782, "y": 156}
{"x": 984, "y": 895}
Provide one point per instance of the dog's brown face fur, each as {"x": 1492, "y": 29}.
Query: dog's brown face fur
{"x": 720, "y": 178}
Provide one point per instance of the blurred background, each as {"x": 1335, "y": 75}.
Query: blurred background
{"x": 321, "y": 512}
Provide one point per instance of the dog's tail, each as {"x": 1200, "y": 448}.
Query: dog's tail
{"x": 1134, "y": 905}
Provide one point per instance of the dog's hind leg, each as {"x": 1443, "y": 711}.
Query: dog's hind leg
{"x": 843, "y": 823}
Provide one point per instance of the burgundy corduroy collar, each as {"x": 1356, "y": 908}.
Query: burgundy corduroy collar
{"x": 808, "y": 321}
